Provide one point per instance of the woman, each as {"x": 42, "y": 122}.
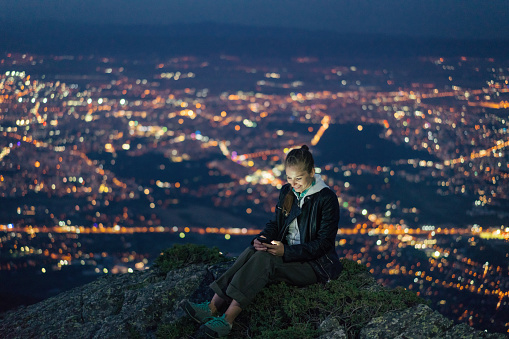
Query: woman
{"x": 296, "y": 247}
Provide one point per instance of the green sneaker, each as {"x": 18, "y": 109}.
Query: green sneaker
{"x": 216, "y": 327}
{"x": 199, "y": 312}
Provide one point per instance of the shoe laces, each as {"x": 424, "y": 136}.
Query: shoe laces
{"x": 218, "y": 321}
{"x": 204, "y": 306}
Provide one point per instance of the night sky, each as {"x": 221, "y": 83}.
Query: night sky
{"x": 465, "y": 19}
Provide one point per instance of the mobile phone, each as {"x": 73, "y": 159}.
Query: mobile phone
{"x": 264, "y": 240}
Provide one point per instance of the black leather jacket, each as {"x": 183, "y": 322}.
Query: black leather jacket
{"x": 318, "y": 225}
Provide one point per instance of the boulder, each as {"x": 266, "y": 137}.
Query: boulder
{"x": 419, "y": 322}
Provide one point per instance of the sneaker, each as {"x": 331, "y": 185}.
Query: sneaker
{"x": 199, "y": 312}
{"x": 217, "y": 327}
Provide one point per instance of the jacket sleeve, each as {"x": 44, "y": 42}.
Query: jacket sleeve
{"x": 271, "y": 230}
{"x": 323, "y": 240}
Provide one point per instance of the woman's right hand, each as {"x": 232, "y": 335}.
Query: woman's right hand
{"x": 259, "y": 246}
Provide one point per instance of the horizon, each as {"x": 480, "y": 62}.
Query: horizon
{"x": 266, "y": 29}
{"x": 446, "y": 18}
{"x": 53, "y": 36}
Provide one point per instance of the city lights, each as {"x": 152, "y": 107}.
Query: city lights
{"x": 420, "y": 166}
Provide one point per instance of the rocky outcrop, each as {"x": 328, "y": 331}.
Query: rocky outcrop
{"x": 137, "y": 305}
{"x": 115, "y": 306}
{"x": 420, "y": 322}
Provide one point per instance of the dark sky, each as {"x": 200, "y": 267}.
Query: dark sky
{"x": 438, "y": 18}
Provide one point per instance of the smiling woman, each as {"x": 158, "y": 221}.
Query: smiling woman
{"x": 297, "y": 247}
{"x": 300, "y": 179}
{"x": 300, "y": 169}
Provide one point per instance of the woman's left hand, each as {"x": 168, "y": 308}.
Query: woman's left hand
{"x": 276, "y": 248}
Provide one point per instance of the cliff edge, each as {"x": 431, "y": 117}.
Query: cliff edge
{"x": 146, "y": 305}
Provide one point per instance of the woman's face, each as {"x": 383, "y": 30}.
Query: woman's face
{"x": 299, "y": 178}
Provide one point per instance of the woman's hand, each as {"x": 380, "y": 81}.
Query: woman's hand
{"x": 259, "y": 246}
{"x": 276, "y": 248}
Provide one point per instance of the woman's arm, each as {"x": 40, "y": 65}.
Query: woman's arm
{"x": 271, "y": 230}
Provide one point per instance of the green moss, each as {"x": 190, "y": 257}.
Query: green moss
{"x": 301, "y": 331}
{"x": 351, "y": 268}
{"x": 281, "y": 310}
{"x": 137, "y": 286}
{"x": 183, "y": 328}
{"x": 133, "y": 333}
{"x": 180, "y": 256}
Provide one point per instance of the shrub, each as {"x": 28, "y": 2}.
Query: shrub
{"x": 180, "y": 256}
{"x": 284, "y": 311}
{"x": 280, "y": 310}
{"x": 183, "y": 328}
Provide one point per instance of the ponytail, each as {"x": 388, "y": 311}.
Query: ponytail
{"x": 300, "y": 157}
{"x": 288, "y": 202}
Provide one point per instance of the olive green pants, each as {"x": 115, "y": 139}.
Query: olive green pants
{"x": 253, "y": 270}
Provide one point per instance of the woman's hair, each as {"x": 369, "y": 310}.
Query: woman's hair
{"x": 301, "y": 157}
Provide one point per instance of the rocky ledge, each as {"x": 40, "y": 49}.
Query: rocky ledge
{"x": 146, "y": 305}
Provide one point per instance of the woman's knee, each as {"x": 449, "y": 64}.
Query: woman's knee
{"x": 262, "y": 256}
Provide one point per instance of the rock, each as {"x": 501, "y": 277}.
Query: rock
{"x": 419, "y": 322}
{"x": 331, "y": 329}
{"x": 118, "y": 306}
{"x": 146, "y": 305}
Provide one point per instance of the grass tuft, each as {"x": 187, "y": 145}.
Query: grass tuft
{"x": 180, "y": 256}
